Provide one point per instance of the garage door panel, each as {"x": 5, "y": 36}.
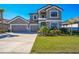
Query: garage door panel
{"x": 34, "y": 28}
{"x": 19, "y": 28}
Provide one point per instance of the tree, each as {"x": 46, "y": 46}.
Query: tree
{"x": 1, "y": 17}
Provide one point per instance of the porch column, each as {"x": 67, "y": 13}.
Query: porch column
{"x": 10, "y": 28}
{"x": 39, "y": 24}
{"x": 58, "y": 25}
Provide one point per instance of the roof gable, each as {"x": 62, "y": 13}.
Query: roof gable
{"x": 49, "y": 6}
{"x": 45, "y": 7}
{"x": 18, "y": 20}
{"x": 56, "y": 7}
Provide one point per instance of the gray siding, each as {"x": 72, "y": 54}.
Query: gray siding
{"x": 48, "y": 15}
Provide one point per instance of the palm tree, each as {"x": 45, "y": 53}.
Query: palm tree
{"x": 1, "y": 17}
{"x": 76, "y": 19}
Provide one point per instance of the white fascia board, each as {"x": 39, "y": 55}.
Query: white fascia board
{"x": 18, "y": 24}
{"x": 33, "y": 24}
{"x": 17, "y": 18}
{"x": 54, "y": 20}
{"x": 53, "y": 7}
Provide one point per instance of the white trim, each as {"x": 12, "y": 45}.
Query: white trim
{"x": 16, "y": 19}
{"x": 54, "y": 11}
{"x": 58, "y": 25}
{"x": 18, "y": 24}
{"x": 53, "y": 20}
{"x": 33, "y": 24}
{"x": 41, "y": 18}
{"x": 54, "y": 7}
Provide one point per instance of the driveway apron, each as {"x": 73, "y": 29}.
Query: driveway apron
{"x": 20, "y": 43}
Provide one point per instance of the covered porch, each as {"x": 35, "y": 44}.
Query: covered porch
{"x": 50, "y": 24}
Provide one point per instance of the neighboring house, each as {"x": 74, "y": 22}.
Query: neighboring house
{"x": 74, "y": 26}
{"x": 72, "y": 23}
{"x": 48, "y": 15}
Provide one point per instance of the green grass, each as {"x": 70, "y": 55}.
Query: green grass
{"x": 56, "y": 44}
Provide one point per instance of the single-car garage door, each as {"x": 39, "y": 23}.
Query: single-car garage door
{"x": 34, "y": 28}
{"x": 19, "y": 28}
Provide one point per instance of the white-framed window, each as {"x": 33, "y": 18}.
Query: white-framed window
{"x": 34, "y": 16}
{"x": 54, "y": 14}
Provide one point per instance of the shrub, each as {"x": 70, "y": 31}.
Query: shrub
{"x": 55, "y": 32}
{"x": 51, "y": 32}
{"x": 44, "y": 30}
{"x": 64, "y": 30}
{"x": 2, "y": 31}
{"x": 75, "y": 32}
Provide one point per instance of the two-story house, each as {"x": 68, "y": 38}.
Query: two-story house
{"x": 48, "y": 15}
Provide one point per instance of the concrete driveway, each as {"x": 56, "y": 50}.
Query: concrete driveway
{"x": 20, "y": 43}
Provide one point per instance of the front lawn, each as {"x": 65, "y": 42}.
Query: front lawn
{"x": 56, "y": 44}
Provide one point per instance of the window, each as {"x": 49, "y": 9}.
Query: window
{"x": 43, "y": 16}
{"x": 53, "y": 25}
{"x": 35, "y": 17}
{"x": 54, "y": 14}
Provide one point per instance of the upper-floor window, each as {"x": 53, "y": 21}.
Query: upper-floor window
{"x": 43, "y": 16}
{"x": 53, "y": 14}
{"x": 35, "y": 17}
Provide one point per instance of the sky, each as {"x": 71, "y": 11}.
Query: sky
{"x": 13, "y": 10}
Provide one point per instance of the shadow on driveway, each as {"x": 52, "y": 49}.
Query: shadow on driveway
{"x": 7, "y": 35}
{"x": 25, "y": 32}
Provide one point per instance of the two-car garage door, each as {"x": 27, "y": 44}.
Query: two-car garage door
{"x": 19, "y": 28}
{"x": 23, "y": 27}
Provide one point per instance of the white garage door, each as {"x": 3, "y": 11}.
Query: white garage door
{"x": 19, "y": 28}
{"x": 34, "y": 28}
